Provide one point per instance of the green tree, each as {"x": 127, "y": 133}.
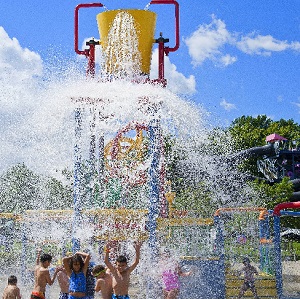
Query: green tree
{"x": 21, "y": 189}
{"x": 271, "y": 195}
{"x": 248, "y": 131}
{"x": 56, "y": 195}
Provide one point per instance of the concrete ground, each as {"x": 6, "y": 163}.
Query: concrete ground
{"x": 291, "y": 279}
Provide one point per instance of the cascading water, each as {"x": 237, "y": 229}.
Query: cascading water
{"x": 122, "y": 50}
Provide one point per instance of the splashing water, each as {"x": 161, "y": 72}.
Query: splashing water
{"x": 147, "y": 6}
{"x": 110, "y": 106}
{"x": 106, "y": 108}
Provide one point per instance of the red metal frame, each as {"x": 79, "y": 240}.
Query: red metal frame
{"x": 162, "y": 50}
{"x": 89, "y": 53}
{"x": 175, "y": 3}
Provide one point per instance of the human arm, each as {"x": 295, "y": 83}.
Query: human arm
{"x": 255, "y": 270}
{"x": 106, "y": 258}
{"x": 137, "y": 246}
{"x": 66, "y": 263}
{"x": 86, "y": 260}
{"x": 181, "y": 273}
{"x": 18, "y": 294}
{"x": 50, "y": 280}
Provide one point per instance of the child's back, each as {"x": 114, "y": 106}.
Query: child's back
{"x": 11, "y": 291}
{"x": 104, "y": 281}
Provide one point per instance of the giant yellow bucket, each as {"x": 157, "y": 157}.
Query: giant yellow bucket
{"x": 126, "y": 37}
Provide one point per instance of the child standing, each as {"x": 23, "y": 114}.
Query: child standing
{"x": 249, "y": 278}
{"x": 42, "y": 275}
{"x": 11, "y": 291}
{"x": 76, "y": 269}
{"x": 170, "y": 276}
{"x": 63, "y": 281}
{"x": 121, "y": 272}
{"x": 104, "y": 281}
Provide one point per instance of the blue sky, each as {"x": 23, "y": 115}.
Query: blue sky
{"x": 235, "y": 57}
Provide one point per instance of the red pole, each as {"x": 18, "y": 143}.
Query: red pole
{"x": 89, "y": 53}
{"x": 91, "y": 58}
{"x": 161, "y": 58}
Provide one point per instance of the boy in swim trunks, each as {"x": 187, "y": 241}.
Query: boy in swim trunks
{"x": 121, "y": 272}
{"x": 104, "y": 281}
{"x": 249, "y": 278}
{"x": 42, "y": 275}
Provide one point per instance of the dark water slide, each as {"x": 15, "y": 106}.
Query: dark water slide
{"x": 267, "y": 150}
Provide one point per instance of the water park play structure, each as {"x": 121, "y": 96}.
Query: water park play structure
{"x": 120, "y": 187}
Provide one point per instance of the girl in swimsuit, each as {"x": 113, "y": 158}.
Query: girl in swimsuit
{"x": 76, "y": 268}
{"x": 170, "y": 276}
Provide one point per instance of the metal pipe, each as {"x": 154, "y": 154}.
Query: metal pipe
{"x": 77, "y": 182}
{"x": 277, "y": 252}
{"x": 285, "y": 205}
{"x": 76, "y": 25}
{"x": 262, "y": 214}
{"x": 154, "y": 152}
{"x": 175, "y": 3}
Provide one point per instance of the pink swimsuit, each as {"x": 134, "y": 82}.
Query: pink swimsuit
{"x": 171, "y": 280}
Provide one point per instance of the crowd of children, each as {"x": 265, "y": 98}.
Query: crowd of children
{"x": 112, "y": 280}
{"x": 73, "y": 277}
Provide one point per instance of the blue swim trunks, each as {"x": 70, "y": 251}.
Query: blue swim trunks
{"x": 119, "y": 296}
{"x": 63, "y": 295}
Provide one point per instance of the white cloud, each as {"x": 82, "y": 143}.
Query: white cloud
{"x": 18, "y": 69}
{"x": 261, "y": 45}
{"x": 177, "y": 82}
{"x": 295, "y": 46}
{"x": 280, "y": 99}
{"x": 17, "y": 61}
{"x": 297, "y": 104}
{"x": 209, "y": 40}
{"x": 228, "y": 59}
{"x": 227, "y": 106}
{"x": 206, "y": 41}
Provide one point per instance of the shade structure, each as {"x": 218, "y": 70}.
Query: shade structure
{"x": 274, "y": 137}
